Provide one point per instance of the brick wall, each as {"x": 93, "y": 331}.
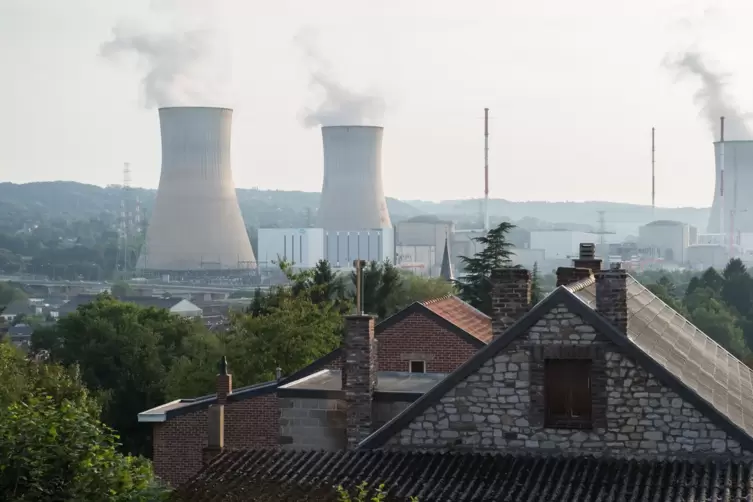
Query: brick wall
{"x": 178, "y": 442}
{"x": 419, "y": 338}
{"x": 497, "y": 407}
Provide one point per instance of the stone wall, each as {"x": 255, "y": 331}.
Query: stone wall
{"x": 384, "y": 411}
{"x": 312, "y": 424}
{"x": 500, "y": 406}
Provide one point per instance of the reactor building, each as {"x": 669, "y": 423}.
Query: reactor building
{"x": 738, "y": 187}
{"x": 196, "y": 223}
{"x": 353, "y": 221}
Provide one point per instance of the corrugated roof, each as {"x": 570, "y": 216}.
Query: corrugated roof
{"x": 290, "y": 476}
{"x": 454, "y": 310}
{"x": 700, "y": 363}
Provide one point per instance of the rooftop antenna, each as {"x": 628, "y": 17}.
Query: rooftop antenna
{"x": 486, "y": 169}
{"x": 653, "y": 174}
{"x": 721, "y": 182}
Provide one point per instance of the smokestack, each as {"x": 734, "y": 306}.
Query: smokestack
{"x": 486, "y": 169}
{"x": 196, "y": 222}
{"x": 352, "y": 192}
{"x": 722, "y": 207}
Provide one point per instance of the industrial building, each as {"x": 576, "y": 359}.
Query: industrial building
{"x": 196, "y": 224}
{"x": 352, "y": 192}
{"x": 420, "y": 243}
{"x": 304, "y": 247}
{"x": 668, "y": 240}
{"x": 561, "y": 244}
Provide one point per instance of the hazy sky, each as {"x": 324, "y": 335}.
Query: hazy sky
{"x": 574, "y": 89}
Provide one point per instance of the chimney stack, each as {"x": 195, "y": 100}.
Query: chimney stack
{"x": 611, "y": 296}
{"x": 216, "y": 415}
{"x": 511, "y": 297}
{"x": 587, "y": 257}
{"x": 569, "y": 275}
{"x": 359, "y": 376}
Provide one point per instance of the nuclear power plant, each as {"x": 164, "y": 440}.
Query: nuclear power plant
{"x": 352, "y": 192}
{"x": 196, "y": 223}
{"x": 736, "y": 192}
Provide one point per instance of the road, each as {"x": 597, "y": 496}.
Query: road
{"x": 166, "y": 286}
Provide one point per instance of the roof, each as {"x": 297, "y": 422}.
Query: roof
{"x": 446, "y": 269}
{"x": 463, "y": 315}
{"x": 143, "y": 301}
{"x": 687, "y": 353}
{"x": 20, "y": 330}
{"x": 665, "y": 223}
{"x": 387, "y": 381}
{"x": 291, "y": 476}
{"x": 17, "y": 307}
{"x": 658, "y": 352}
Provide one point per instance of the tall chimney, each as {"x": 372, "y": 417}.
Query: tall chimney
{"x": 611, "y": 296}
{"x": 359, "y": 376}
{"x": 569, "y": 275}
{"x": 216, "y": 415}
{"x": 511, "y": 297}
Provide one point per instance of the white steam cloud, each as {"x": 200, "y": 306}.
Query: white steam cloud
{"x": 712, "y": 96}
{"x": 339, "y": 105}
{"x": 180, "y": 67}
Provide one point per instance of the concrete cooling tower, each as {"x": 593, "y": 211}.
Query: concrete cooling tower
{"x": 196, "y": 223}
{"x": 352, "y": 192}
{"x": 738, "y": 179}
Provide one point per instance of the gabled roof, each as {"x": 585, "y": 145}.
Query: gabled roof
{"x": 143, "y": 301}
{"x": 728, "y": 418}
{"x": 451, "y": 313}
{"x": 17, "y": 307}
{"x": 293, "y": 476}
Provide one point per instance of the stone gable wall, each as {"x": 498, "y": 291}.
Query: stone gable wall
{"x": 501, "y": 405}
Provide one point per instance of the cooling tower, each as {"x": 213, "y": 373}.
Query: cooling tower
{"x": 196, "y": 223}
{"x": 738, "y": 178}
{"x": 352, "y": 193}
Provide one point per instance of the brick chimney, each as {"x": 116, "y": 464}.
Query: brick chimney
{"x": 587, "y": 257}
{"x": 216, "y": 415}
{"x": 611, "y": 296}
{"x": 569, "y": 275}
{"x": 511, "y": 297}
{"x": 359, "y": 376}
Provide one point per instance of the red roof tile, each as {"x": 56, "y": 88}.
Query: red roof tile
{"x": 454, "y": 310}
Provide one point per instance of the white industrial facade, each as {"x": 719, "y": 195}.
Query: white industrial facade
{"x": 352, "y": 192}
{"x": 306, "y": 246}
{"x": 560, "y": 244}
{"x": 668, "y": 240}
{"x": 738, "y": 184}
{"x": 419, "y": 244}
{"x": 196, "y": 223}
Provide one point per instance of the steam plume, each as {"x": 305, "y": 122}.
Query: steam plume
{"x": 179, "y": 66}
{"x": 340, "y": 105}
{"x": 712, "y": 96}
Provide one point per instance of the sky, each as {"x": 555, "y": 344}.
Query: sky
{"x": 573, "y": 88}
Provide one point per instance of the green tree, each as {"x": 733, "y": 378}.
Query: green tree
{"x": 10, "y": 292}
{"x": 52, "y": 445}
{"x": 381, "y": 284}
{"x": 362, "y": 493}
{"x": 536, "y": 294}
{"x": 121, "y": 289}
{"x": 475, "y": 287}
{"x": 124, "y": 352}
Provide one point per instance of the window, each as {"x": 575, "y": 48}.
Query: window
{"x": 417, "y": 367}
{"x": 567, "y": 393}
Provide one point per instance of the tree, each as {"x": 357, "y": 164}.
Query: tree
{"x": 381, "y": 282}
{"x": 121, "y": 289}
{"x": 124, "y": 352}
{"x": 9, "y": 292}
{"x": 536, "y": 294}
{"x": 52, "y": 445}
{"x": 475, "y": 287}
{"x": 362, "y": 492}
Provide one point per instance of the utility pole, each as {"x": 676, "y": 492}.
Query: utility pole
{"x": 486, "y": 169}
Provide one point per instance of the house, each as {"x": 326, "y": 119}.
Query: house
{"x": 418, "y": 346}
{"x": 17, "y": 308}
{"x": 598, "y": 392}
{"x": 178, "y": 306}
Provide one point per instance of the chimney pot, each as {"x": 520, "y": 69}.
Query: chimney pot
{"x": 278, "y": 373}
{"x": 359, "y": 376}
{"x": 569, "y": 275}
{"x": 611, "y": 296}
{"x": 224, "y": 381}
{"x": 511, "y": 297}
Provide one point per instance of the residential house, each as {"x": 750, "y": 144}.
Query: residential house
{"x": 417, "y": 347}
{"x": 598, "y": 392}
{"x": 18, "y": 308}
{"x": 179, "y": 306}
